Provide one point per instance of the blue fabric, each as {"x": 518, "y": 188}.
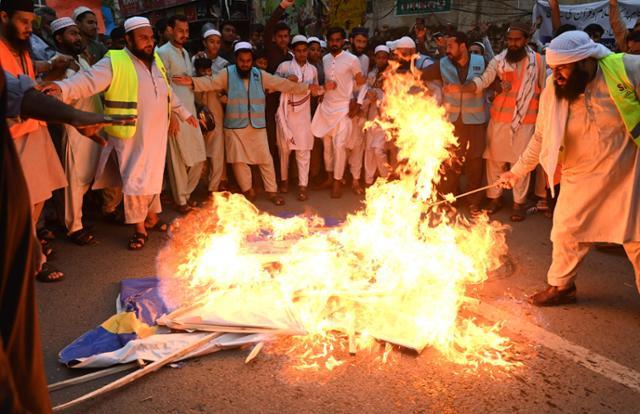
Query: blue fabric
{"x": 96, "y": 341}
{"x": 242, "y": 105}
{"x": 470, "y": 105}
{"x": 142, "y": 296}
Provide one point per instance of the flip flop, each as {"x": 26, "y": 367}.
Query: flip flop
{"x": 45, "y": 234}
{"x": 45, "y": 275}
{"x": 518, "y": 213}
{"x": 276, "y": 199}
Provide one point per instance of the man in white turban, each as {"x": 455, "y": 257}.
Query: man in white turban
{"x": 588, "y": 128}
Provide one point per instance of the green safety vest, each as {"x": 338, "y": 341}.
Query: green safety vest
{"x": 122, "y": 96}
{"x": 623, "y": 93}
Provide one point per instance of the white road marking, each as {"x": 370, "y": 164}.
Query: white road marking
{"x": 579, "y": 354}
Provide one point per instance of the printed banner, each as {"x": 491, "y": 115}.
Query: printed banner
{"x": 581, "y": 15}
{"x": 407, "y": 7}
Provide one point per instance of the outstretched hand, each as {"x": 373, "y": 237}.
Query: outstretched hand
{"x": 89, "y": 124}
{"x": 182, "y": 80}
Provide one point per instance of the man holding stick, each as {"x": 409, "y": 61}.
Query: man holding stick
{"x": 589, "y": 127}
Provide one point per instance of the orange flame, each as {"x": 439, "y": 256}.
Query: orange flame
{"x": 395, "y": 271}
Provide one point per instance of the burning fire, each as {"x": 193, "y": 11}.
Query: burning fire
{"x": 396, "y": 271}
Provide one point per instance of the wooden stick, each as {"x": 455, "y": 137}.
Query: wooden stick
{"x": 154, "y": 366}
{"x": 468, "y": 193}
{"x": 92, "y": 376}
{"x": 352, "y": 344}
{"x": 254, "y": 352}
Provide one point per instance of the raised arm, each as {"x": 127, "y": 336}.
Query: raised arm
{"x": 617, "y": 25}
{"x": 210, "y": 83}
{"x": 271, "y": 23}
{"x": 555, "y": 14}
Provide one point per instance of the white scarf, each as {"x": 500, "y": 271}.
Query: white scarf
{"x": 297, "y": 102}
{"x": 569, "y": 47}
{"x": 527, "y": 85}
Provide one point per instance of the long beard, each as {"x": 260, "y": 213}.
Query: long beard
{"x": 576, "y": 84}
{"x": 515, "y": 56}
{"x": 18, "y": 44}
{"x": 244, "y": 74}
{"x": 142, "y": 55}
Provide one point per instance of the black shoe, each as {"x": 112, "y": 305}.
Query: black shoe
{"x": 552, "y": 296}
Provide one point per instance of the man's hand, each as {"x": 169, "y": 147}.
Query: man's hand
{"x": 193, "y": 121}
{"x": 354, "y": 108}
{"x": 89, "y": 124}
{"x": 452, "y": 88}
{"x": 316, "y": 89}
{"x": 293, "y": 78}
{"x": 507, "y": 180}
{"x": 174, "y": 125}
{"x": 50, "y": 88}
{"x": 61, "y": 62}
{"x": 330, "y": 85}
{"x": 506, "y": 86}
{"x": 182, "y": 80}
{"x": 287, "y": 3}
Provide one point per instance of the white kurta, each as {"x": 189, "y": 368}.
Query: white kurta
{"x": 599, "y": 199}
{"x": 81, "y": 153}
{"x": 294, "y": 113}
{"x": 141, "y": 158}
{"x": 189, "y": 139}
{"x": 341, "y": 69}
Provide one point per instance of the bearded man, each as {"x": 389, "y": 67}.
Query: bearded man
{"x": 589, "y": 127}
{"x": 135, "y": 83}
{"x": 186, "y": 152}
{"x": 80, "y": 154}
{"x": 522, "y": 74}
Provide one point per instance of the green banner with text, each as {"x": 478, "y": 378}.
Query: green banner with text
{"x": 406, "y": 7}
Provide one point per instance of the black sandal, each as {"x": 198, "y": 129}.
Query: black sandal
{"x": 45, "y": 275}
{"x": 518, "y": 213}
{"x": 82, "y": 237}
{"x": 137, "y": 241}
{"x": 494, "y": 206}
{"x": 45, "y": 234}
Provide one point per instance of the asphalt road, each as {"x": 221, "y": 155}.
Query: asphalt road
{"x": 582, "y": 358}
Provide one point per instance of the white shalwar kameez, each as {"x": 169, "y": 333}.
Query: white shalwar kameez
{"x": 214, "y": 140}
{"x": 375, "y": 157}
{"x": 186, "y": 153}
{"x": 599, "y": 199}
{"x": 331, "y": 120}
{"x": 294, "y": 121}
{"x": 81, "y": 157}
{"x": 141, "y": 158}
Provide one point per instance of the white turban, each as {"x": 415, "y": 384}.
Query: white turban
{"x": 61, "y": 23}
{"x": 574, "y": 46}
{"x": 135, "y": 22}
{"x": 211, "y": 32}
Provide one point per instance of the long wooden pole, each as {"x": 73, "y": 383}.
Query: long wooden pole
{"x": 154, "y": 366}
{"x": 92, "y": 376}
{"x": 468, "y": 193}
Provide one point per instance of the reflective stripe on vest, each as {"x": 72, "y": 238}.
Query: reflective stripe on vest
{"x": 504, "y": 104}
{"x": 244, "y": 105}
{"x": 10, "y": 64}
{"x": 122, "y": 96}
{"x": 622, "y": 92}
{"x": 471, "y": 105}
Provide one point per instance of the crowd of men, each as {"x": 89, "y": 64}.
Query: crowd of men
{"x": 171, "y": 120}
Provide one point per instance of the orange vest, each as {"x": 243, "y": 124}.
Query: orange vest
{"x": 11, "y": 65}
{"x": 504, "y": 104}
